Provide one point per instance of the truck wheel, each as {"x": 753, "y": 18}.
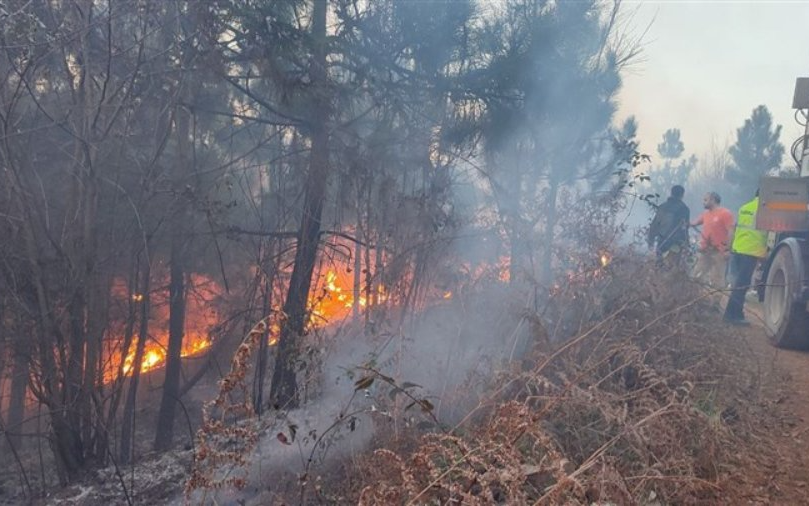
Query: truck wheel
{"x": 786, "y": 321}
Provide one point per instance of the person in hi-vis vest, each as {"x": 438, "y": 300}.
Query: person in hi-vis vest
{"x": 749, "y": 247}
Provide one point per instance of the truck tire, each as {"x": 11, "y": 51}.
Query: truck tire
{"x": 785, "y": 317}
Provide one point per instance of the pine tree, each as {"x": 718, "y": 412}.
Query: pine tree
{"x": 664, "y": 177}
{"x": 549, "y": 96}
{"x": 757, "y": 150}
{"x": 671, "y": 147}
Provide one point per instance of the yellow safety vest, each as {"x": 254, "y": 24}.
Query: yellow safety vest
{"x": 747, "y": 240}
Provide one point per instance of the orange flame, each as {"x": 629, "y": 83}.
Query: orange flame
{"x": 154, "y": 355}
{"x": 201, "y": 317}
{"x": 335, "y": 299}
{"x": 583, "y": 274}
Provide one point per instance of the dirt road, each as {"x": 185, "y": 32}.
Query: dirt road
{"x": 782, "y": 472}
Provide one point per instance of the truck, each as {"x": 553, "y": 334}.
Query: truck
{"x": 783, "y": 212}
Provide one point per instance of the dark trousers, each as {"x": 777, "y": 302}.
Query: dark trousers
{"x": 742, "y": 268}
{"x": 670, "y": 254}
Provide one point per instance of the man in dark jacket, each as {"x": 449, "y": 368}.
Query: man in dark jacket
{"x": 668, "y": 232}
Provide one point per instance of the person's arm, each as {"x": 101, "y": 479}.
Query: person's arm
{"x": 730, "y": 227}
{"x": 686, "y": 220}
{"x": 732, "y": 232}
{"x": 699, "y": 221}
{"x": 727, "y": 222}
{"x": 730, "y": 223}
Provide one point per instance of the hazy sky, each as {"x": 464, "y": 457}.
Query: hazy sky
{"x": 707, "y": 64}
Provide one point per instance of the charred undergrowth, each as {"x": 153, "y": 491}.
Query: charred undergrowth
{"x": 620, "y": 385}
{"x": 647, "y": 401}
{"x": 641, "y": 406}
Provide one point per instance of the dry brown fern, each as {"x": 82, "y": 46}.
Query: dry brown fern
{"x": 223, "y": 446}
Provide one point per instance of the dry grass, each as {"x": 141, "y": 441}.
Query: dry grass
{"x": 638, "y": 407}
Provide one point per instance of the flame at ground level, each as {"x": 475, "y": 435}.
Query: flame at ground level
{"x": 201, "y": 315}
{"x": 154, "y": 355}
{"x": 334, "y": 298}
{"x": 331, "y": 301}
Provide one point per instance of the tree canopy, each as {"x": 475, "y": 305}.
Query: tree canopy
{"x": 756, "y": 152}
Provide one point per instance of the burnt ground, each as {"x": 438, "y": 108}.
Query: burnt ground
{"x": 772, "y": 465}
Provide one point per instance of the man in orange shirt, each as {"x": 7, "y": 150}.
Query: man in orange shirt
{"x": 717, "y": 227}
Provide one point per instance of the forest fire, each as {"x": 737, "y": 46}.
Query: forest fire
{"x": 582, "y": 274}
{"x": 333, "y": 298}
{"x": 284, "y": 203}
{"x": 155, "y": 353}
{"x": 201, "y": 316}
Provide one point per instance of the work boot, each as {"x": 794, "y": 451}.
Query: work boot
{"x": 740, "y": 322}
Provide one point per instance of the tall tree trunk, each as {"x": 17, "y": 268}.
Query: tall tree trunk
{"x": 93, "y": 428}
{"x": 508, "y": 195}
{"x": 357, "y": 285}
{"x": 93, "y": 314}
{"x": 171, "y": 384}
{"x": 19, "y": 387}
{"x": 83, "y": 350}
{"x": 67, "y": 446}
{"x": 117, "y": 386}
{"x": 284, "y": 391}
{"x": 66, "y": 439}
{"x": 546, "y": 274}
{"x": 263, "y": 349}
{"x": 6, "y": 355}
{"x": 74, "y": 407}
{"x": 128, "y": 423}
{"x": 519, "y": 235}
{"x": 369, "y": 226}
